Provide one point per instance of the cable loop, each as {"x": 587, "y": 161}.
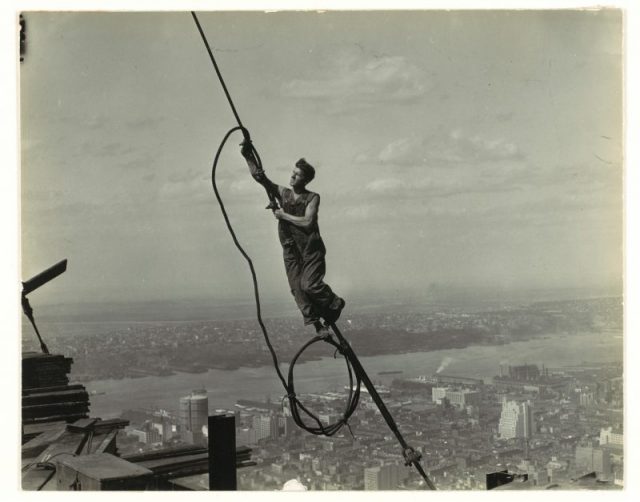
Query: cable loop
{"x": 297, "y": 408}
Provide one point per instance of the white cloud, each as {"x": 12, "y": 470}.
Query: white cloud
{"x": 416, "y": 184}
{"x": 357, "y": 79}
{"x": 243, "y": 186}
{"x": 442, "y": 148}
{"x": 186, "y": 188}
{"x": 384, "y": 185}
{"x": 360, "y": 212}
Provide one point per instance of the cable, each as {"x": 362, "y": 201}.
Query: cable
{"x": 411, "y": 456}
{"x": 215, "y": 65}
{"x": 297, "y": 408}
{"x": 342, "y": 346}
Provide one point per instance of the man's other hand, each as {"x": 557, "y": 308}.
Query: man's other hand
{"x": 246, "y": 149}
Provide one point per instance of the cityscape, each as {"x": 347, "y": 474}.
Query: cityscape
{"x": 553, "y": 426}
{"x": 551, "y": 423}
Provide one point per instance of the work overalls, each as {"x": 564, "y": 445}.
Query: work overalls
{"x": 303, "y": 253}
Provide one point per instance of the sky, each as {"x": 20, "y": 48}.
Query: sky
{"x": 453, "y": 149}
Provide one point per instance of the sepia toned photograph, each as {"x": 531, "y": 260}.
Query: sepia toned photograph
{"x": 322, "y": 250}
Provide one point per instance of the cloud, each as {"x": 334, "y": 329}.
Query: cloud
{"x": 355, "y": 79}
{"x": 439, "y": 185}
{"x": 243, "y": 186}
{"x": 107, "y": 123}
{"x": 145, "y": 122}
{"x": 504, "y": 116}
{"x": 113, "y": 149}
{"x": 386, "y": 185}
{"x": 360, "y": 212}
{"x": 185, "y": 175}
{"x": 94, "y": 123}
{"x": 453, "y": 147}
{"x": 195, "y": 187}
{"x": 36, "y": 195}
{"x": 185, "y": 188}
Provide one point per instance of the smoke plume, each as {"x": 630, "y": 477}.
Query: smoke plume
{"x": 445, "y": 362}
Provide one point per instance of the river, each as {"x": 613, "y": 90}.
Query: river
{"x": 226, "y": 387}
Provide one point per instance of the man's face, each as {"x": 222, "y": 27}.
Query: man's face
{"x": 297, "y": 178}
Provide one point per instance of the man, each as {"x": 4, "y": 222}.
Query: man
{"x": 302, "y": 246}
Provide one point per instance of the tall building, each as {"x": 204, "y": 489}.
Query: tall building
{"x": 384, "y": 477}
{"x": 592, "y": 459}
{"x": 286, "y": 425}
{"x": 193, "y": 416}
{"x": 265, "y": 427}
{"x": 516, "y": 420}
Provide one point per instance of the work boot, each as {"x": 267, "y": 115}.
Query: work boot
{"x": 321, "y": 330}
{"x": 335, "y": 309}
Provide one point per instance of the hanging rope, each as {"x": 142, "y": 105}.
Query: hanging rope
{"x": 295, "y": 405}
{"x": 355, "y": 370}
{"x": 297, "y": 408}
{"x": 215, "y": 65}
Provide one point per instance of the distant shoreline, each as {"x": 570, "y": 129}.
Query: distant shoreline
{"x": 122, "y": 349}
{"x": 178, "y": 311}
{"x": 225, "y": 387}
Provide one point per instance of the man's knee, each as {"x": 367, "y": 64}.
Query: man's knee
{"x": 311, "y": 288}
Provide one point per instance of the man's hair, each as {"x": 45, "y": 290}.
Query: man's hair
{"x": 307, "y": 170}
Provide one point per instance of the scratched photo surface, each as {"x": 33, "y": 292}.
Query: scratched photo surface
{"x": 469, "y": 167}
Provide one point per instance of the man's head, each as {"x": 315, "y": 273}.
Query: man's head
{"x": 302, "y": 174}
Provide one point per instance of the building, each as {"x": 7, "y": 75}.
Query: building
{"x": 328, "y": 417}
{"x": 611, "y": 437}
{"x": 463, "y": 398}
{"x": 555, "y": 469}
{"x": 529, "y": 378}
{"x": 586, "y": 398}
{"x": 523, "y": 372}
{"x": 438, "y": 394}
{"x": 245, "y": 435}
{"x": 384, "y": 477}
{"x": 147, "y": 434}
{"x": 193, "y": 416}
{"x": 317, "y": 464}
{"x": 458, "y": 398}
{"x": 265, "y": 427}
{"x": 592, "y": 459}
{"x": 439, "y": 379}
{"x": 162, "y": 422}
{"x": 537, "y": 475}
{"x": 286, "y": 425}
{"x": 516, "y": 420}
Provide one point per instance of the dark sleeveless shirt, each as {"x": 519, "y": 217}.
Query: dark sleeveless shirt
{"x": 305, "y": 239}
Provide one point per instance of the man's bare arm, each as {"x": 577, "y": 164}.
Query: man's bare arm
{"x": 306, "y": 221}
{"x": 258, "y": 174}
